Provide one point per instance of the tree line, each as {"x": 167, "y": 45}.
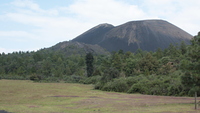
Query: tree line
{"x": 172, "y": 71}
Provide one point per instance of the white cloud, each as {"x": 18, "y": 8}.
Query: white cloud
{"x": 114, "y": 12}
{"x": 26, "y": 3}
{"x": 65, "y": 23}
{"x": 49, "y": 28}
{"x": 86, "y": 14}
{"x": 182, "y": 13}
{"x": 31, "y": 7}
{"x": 26, "y": 7}
{"x": 14, "y": 34}
{"x": 6, "y": 50}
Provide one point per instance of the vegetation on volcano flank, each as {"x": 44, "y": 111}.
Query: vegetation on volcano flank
{"x": 164, "y": 72}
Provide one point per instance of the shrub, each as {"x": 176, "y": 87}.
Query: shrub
{"x": 73, "y": 79}
{"x": 13, "y": 77}
{"x": 99, "y": 85}
{"x": 175, "y": 90}
{"x": 110, "y": 74}
{"x": 118, "y": 85}
{"x": 138, "y": 88}
{"x": 107, "y": 86}
{"x": 92, "y": 80}
{"x": 35, "y": 77}
{"x": 132, "y": 80}
{"x": 51, "y": 79}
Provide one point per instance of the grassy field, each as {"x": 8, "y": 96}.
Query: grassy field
{"x": 29, "y": 97}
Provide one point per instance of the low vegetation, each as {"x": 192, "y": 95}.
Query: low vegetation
{"x": 24, "y": 96}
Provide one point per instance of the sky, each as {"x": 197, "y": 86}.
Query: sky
{"x": 30, "y": 25}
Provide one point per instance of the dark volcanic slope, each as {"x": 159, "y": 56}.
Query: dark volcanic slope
{"x": 94, "y": 35}
{"x": 70, "y": 48}
{"x": 146, "y": 35}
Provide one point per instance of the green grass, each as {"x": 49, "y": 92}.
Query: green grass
{"x": 20, "y": 96}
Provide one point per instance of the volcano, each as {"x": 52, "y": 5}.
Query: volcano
{"x": 148, "y": 35}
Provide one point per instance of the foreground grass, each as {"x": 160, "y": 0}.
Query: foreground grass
{"x": 29, "y": 97}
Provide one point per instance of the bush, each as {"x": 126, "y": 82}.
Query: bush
{"x": 107, "y": 86}
{"x": 110, "y": 74}
{"x": 92, "y": 80}
{"x": 138, "y": 88}
{"x": 13, "y": 77}
{"x": 175, "y": 90}
{"x": 133, "y": 80}
{"x": 51, "y": 79}
{"x": 73, "y": 79}
{"x": 118, "y": 85}
{"x": 35, "y": 77}
{"x": 150, "y": 85}
{"x": 99, "y": 85}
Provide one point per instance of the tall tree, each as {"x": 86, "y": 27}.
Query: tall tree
{"x": 159, "y": 53}
{"x": 89, "y": 63}
{"x": 148, "y": 64}
{"x": 191, "y": 78}
{"x": 183, "y": 48}
{"x": 117, "y": 61}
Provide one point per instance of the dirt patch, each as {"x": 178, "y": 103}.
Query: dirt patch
{"x": 94, "y": 97}
{"x": 132, "y": 102}
{"x": 33, "y": 106}
{"x": 160, "y": 99}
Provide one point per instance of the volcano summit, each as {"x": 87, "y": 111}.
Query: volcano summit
{"x": 147, "y": 35}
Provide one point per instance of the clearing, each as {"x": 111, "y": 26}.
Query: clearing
{"x": 20, "y": 96}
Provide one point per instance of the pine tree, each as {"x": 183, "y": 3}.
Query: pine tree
{"x": 89, "y": 63}
{"x": 183, "y": 48}
{"x": 148, "y": 64}
{"x": 191, "y": 79}
{"x": 159, "y": 53}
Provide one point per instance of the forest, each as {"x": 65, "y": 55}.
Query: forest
{"x": 172, "y": 71}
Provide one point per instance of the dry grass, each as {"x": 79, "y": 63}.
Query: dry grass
{"x": 29, "y": 97}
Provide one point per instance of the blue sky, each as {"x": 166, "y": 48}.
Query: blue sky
{"x": 27, "y": 25}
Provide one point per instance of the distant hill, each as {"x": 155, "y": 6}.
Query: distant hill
{"x": 146, "y": 35}
{"x": 70, "y": 48}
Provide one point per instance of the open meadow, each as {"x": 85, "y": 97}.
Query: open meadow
{"x": 21, "y": 96}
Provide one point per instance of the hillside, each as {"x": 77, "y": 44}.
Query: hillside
{"x": 95, "y": 34}
{"x": 146, "y": 35}
{"x": 69, "y": 48}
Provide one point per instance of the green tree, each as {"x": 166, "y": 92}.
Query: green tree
{"x": 173, "y": 51}
{"x": 193, "y": 67}
{"x": 68, "y": 71}
{"x": 37, "y": 56}
{"x": 21, "y": 71}
{"x": 117, "y": 61}
{"x": 81, "y": 62}
{"x": 183, "y": 48}
{"x": 148, "y": 64}
{"x": 109, "y": 74}
{"x": 131, "y": 67}
{"x": 159, "y": 53}
{"x": 46, "y": 67}
{"x": 191, "y": 78}
{"x": 89, "y": 63}
{"x": 72, "y": 66}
